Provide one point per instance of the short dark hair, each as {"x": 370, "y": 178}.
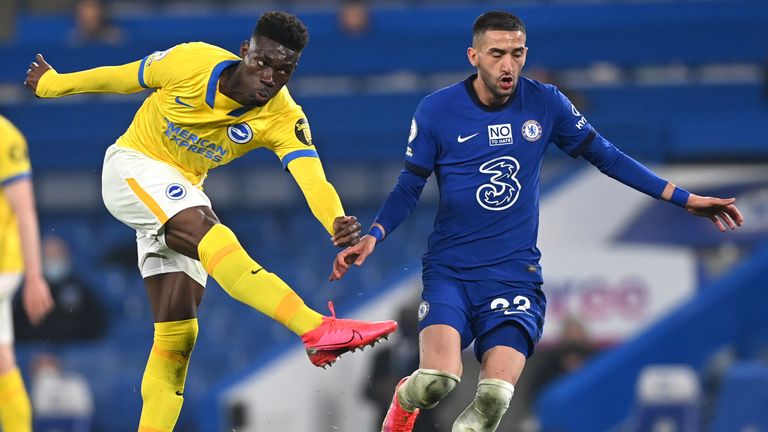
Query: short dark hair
{"x": 283, "y": 28}
{"x": 497, "y": 20}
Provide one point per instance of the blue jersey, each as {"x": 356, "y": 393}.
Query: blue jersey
{"x": 487, "y": 162}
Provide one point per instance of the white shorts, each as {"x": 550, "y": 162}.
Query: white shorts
{"x": 9, "y": 283}
{"x": 144, "y": 193}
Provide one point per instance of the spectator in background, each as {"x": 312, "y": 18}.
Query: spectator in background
{"x": 573, "y": 349}
{"x": 78, "y": 314}
{"x": 62, "y": 400}
{"x": 92, "y": 25}
{"x": 390, "y": 364}
{"x": 353, "y": 17}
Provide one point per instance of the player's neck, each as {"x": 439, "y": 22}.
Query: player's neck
{"x": 229, "y": 83}
{"x": 485, "y": 96}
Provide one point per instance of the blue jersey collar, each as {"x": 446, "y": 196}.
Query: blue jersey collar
{"x": 476, "y": 100}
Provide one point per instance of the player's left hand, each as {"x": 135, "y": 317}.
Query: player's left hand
{"x": 36, "y": 298}
{"x": 346, "y": 231}
{"x": 352, "y": 255}
{"x": 722, "y": 211}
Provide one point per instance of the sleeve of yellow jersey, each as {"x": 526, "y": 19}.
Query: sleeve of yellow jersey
{"x": 153, "y": 71}
{"x": 14, "y": 161}
{"x": 292, "y": 142}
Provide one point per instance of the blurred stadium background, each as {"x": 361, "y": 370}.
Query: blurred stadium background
{"x": 656, "y": 321}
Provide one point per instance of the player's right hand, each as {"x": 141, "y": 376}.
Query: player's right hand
{"x": 36, "y": 69}
{"x": 36, "y": 298}
{"x": 354, "y": 254}
{"x": 722, "y": 212}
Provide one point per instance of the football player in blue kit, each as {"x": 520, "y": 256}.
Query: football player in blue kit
{"x": 484, "y": 139}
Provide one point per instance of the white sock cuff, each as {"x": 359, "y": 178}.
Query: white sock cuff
{"x": 435, "y": 372}
{"x": 497, "y": 384}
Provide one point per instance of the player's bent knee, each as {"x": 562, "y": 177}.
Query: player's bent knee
{"x": 177, "y": 336}
{"x": 426, "y": 387}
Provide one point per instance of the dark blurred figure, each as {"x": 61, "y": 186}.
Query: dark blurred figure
{"x": 354, "y": 18}
{"x": 92, "y": 25}
{"x": 78, "y": 314}
{"x": 398, "y": 359}
{"x": 7, "y": 19}
{"x": 62, "y": 400}
{"x": 571, "y": 352}
{"x": 546, "y": 76}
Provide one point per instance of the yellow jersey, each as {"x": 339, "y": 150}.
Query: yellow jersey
{"x": 14, "y": 165}
{"x": 188, "y": 123}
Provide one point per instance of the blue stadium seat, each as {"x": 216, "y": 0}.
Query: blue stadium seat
{"x": 743, "y": 398}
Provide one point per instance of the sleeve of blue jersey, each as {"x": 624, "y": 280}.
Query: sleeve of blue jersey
{"x": 614, "y": 163}
{"x": 401, "y": 201}
{"x": 422, "y": 147}
{"x": 573, "y": 134}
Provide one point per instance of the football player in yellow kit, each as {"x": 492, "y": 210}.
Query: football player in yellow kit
{"x": 210, "y": 107}
{"x": 19, "y": 255}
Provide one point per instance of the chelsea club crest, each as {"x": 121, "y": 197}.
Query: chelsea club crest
{"x": 531, "y": 130}
{"x": 423, "y": 310}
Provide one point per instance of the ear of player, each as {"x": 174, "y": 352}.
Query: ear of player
{"x": 336, "y": 336}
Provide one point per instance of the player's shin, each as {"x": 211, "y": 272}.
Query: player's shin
{"x": 485, "y": 412}
{"x": 15, "y": 409}
{"x": 162, "y": 387}
{"x": 245, "y": 280}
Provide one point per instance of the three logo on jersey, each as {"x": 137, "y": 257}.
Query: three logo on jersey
{"x": 504, "y": 188}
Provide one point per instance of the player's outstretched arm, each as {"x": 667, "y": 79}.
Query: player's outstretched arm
{"x": 45, "y": 82}
{"x": 324, "y": 202}
{"x": 395, "y": 209}
{"x": 611, "y": 161}
{"x": 356, "y": 254}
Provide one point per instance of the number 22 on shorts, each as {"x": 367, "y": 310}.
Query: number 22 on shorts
{"x": 522, "y": 304}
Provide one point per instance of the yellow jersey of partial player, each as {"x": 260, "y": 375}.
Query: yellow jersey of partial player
{"x": 187, "y": 123}
{"x": 14, "y": 165}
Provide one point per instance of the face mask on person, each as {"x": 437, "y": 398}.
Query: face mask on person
{"x": 56, "y": 270}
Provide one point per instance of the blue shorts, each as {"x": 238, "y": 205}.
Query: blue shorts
{"x": 490, "y": 312}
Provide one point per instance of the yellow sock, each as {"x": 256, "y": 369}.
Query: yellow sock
{"x": 245, "y": 280}
{"x": 15, "y": 409}
{"x": 162, "y": 387}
